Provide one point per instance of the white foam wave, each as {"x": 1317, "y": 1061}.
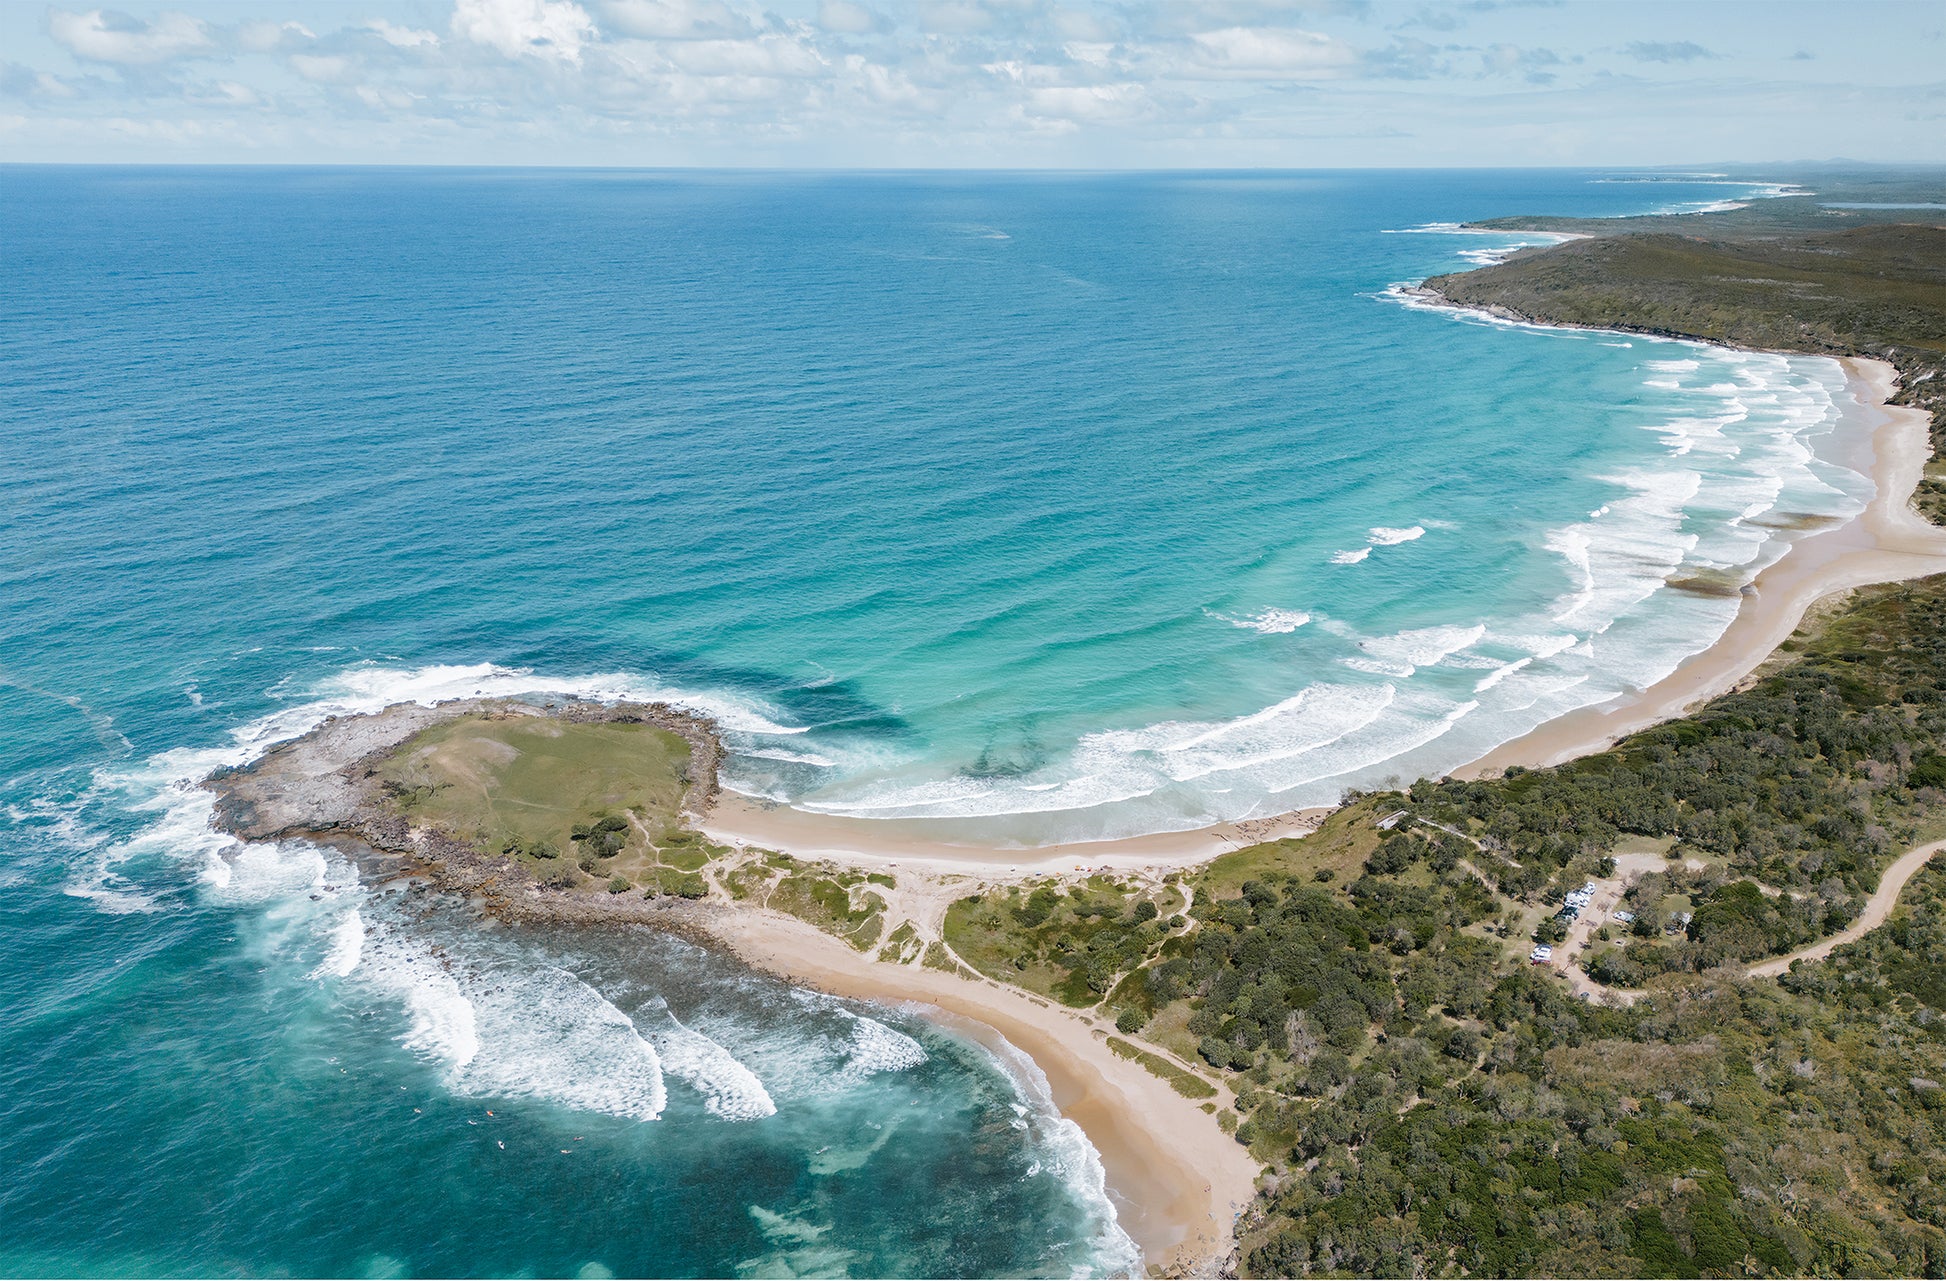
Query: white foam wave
{"x": 256, "y": 872}
{"x": 365, "y": 689}
{"x": 345, "y": 944}
{"x": 1383, "y": 536}
{"x": 729, "y": 1089}
{"x": 512, "y": 1029}
{"x": 1499, "y": 674}
{"x": 1486, "y": 256}
{"x": 877, "y": 1048}
{"x": 1066, "y": 1153}
{"x": 1111, "y": 766}
{"x": 1423, "y": 646}
{"x": 1629, "y": 554}
{"x": 794, "y": 758}
{"x": 443, "y": 1023}
{"x": 1350, "y": 557}
{"x": 547, "y": 1035}
{"x": 1270, "y": 622}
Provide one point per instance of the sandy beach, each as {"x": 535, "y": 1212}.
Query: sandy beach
{"x": 1176, "y": 1179}
{"x": 1887, "y": 542}
{"x": 1160, "y": 1151}
{"x": 737, "y": 819}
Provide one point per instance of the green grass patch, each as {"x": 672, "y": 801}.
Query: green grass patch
{"x": 1187, "y": 1084}
{"x": 828, "y": 904}
{"x": 1339, "y": 847}
{"x": 525, "y": 783}
{"x": 1066, "y": 944}
{"x": 902, "y": 946}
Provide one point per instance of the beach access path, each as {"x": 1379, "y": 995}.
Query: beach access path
{"x": 1177, "y": 1181}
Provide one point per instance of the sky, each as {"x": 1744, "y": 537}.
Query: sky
{"x": 975, "y": 83}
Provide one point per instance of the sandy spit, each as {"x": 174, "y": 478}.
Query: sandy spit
{"x": 1177, "y": 1181}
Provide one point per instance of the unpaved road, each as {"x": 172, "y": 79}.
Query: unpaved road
{"x": 1877, "y": 908}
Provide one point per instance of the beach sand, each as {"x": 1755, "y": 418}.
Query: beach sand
{"x": 1159, "y": 1150}
{"x": 1176, "y": 1179}
{"x": 736, "y": 819}
{"x": 1887, "y": 542}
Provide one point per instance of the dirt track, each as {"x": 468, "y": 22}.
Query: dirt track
{"x": 1877, "y": 908}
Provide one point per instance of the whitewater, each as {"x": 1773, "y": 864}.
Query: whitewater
{"x": 1037, "y": 508}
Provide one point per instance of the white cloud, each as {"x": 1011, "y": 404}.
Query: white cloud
{"x": 384, "y": 99}
{"x": 222, "y": 93}
{"x": 772, "y": 56}
{"x": 25, "y": 82}
{"x": 106, "y": 36}
{"x": 674, "y": 19}
{"x": 1091, "y": 104}
{"x": 955, "y": 17}
{"x": 546, "y": 29}
{"x": 1000, "y": 82}
{"x": 401, "y": 37}
{"x": 266, "y": 37}
{"x": 1073, "y": 24}
{"x": 882, "y": 85}
{"x": 324, "y": 69}
{"x": 1271, "y": 53}
{"x": 844, "y": 18}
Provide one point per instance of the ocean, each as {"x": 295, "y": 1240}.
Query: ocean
{"x": 1039, "y": 506}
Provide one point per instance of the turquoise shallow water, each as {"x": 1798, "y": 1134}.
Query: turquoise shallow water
{"x": 1044, "y": 506}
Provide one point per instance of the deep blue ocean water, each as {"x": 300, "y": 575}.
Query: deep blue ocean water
{"x": 1042, "y": 506}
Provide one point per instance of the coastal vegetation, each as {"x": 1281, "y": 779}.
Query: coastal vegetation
{"x": 574, "y": 802}
{"x": 1429, "y": 1102}
{"x": 1424, "y": 1097}
{"x": 1425, "y": 1100}
{"x": 1784, "y": 275}
{"x": 1069, "y": 942}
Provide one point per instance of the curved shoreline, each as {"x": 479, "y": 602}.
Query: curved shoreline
{"x": 1887, "y": 542}
{"x": 1176, "y": 1180}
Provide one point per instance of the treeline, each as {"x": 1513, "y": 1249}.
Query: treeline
{"x": 1807, "y": 782}
{"x": 1718, "y": 1128}
{"x": 1429, "y": 1104}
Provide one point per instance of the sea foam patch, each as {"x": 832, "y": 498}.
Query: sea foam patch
{"x": 1270, "y": 622}
{"x": 514, "y": 1030}
{"x": 729, "y": 1089}
{"x": 1738, "y": 432}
